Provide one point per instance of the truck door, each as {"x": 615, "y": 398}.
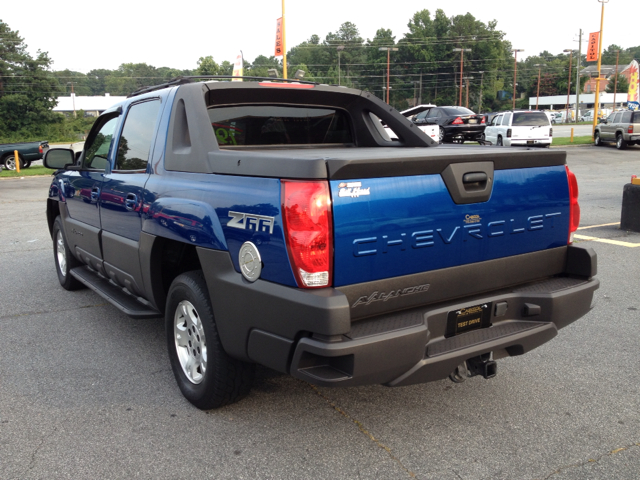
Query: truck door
{"x": 82, "y": 224}
{"x": 121, "y": 199}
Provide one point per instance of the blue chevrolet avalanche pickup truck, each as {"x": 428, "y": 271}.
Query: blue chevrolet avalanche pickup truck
{"x": 276, "y": 223}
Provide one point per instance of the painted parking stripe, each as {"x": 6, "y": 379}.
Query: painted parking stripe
{"x": 606, "y": 240}
{"x": 597, "y": 226}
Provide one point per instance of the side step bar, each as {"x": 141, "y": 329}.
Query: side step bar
{"x": 119, "y": 297}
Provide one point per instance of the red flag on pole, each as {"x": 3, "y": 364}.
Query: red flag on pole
{"x": 592, "y": 49}
{"x": 279, "y": 50}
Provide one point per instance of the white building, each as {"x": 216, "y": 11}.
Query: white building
{"x": 91, "y": 106}
{"x": 587, "y": 100}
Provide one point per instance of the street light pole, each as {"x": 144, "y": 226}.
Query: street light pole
{"x": 515, "y": 73}
{"x": 339, "y": 48}
{"x": 597, "y": 97}
{"x": 388, "y": 50}
{"x": 566, "y": 120}
{"x": 539, "y": 65}
{"x": 615, "y": 83}
{"x": 480, "y": 102}
{"x": 461, "y": 50}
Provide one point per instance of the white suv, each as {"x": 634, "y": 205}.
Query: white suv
{"x": 521, "y": 128}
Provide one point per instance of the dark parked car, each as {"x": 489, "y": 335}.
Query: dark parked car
{"x": 457, "y": 124}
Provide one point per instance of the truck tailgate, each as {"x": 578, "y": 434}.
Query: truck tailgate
{"x": 393, "y": 226}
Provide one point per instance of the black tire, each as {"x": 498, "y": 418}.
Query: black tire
{"x": 597, "y": 141}
{"x": 9, "y": 162}
{"x": 63, "y": 258}
{"x": 621, "y": 143}
{"x": 211, "y": 380}
{"x": 499, "y": 142}
{"x": 440, "y": 135}
{"x": 26, "y": 164}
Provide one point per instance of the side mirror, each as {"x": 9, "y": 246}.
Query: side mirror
{"x": 58, "y": 158}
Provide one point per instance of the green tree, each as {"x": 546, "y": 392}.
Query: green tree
{"x": 622, "y": 85}
{"x": 28, "y": 89}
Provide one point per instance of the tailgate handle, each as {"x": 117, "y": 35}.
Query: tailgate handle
{"x": 474, "y": 177}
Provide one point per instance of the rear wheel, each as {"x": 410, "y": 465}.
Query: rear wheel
{"x": 597, "y": 141}
{"x": 26, "y": 164}
{"x": 206, "y": 375}
{"x": 499, "y": 142}
{"x": 441, "y": 134}
{"x": 621, "y": 144}
{"x": 63, "y": 258}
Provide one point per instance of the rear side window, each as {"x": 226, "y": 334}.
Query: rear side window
{"x": 636, "y": 117}
{"x": 279, "y": 125}
{"x": 626, "y": 117}
{"x": 138, "y": 132}
{"x": 532, "y": 119}
{"x": 616, "y": 118}
{"x": 506, "y": 119}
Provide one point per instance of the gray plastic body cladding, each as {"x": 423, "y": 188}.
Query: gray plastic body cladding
{"x": 240, "y": 306}
{"x": 419, "y": 354}
{"x": 454, "y": 282}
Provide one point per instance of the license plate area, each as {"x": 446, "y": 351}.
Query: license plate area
{"x": 468, "y": 319}
{"x": 530, "y": 142}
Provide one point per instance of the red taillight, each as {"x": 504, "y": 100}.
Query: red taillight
{"x": 40, "y": 148}
{"x": 574, "y": 208}
{"x": 484, "y": 120}
{"x": 508, "y": 133}
{"x": 307, "y": 218}
{"x": 630, "y": 129}
{"x": 457, "y": 121}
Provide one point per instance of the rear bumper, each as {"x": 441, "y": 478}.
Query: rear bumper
{"x": 346, "y": 337}
{"x": 529, "y": 141}
{"x": 410, "y": 347}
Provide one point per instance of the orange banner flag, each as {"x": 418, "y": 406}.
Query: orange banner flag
{"x": 279, "y": 51}
{"x": 592, "y": 49}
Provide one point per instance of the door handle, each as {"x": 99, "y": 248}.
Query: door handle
{"x": 95, "y": 193}
{"x": 131, "y": 202}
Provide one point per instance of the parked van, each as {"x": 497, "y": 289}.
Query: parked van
{"x": 520, "y": 128}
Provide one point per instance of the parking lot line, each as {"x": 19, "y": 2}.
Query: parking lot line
{"x": 596, "y": 226}
{"x": 606, "y": 240}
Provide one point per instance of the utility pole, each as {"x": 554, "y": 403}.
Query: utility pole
{"x": 388, "y": 50}
{"x": 480, "y": 102}
{"x": 420, "y": 92}
{"x": 578, "y": 76}
{"x": 615, "y": 84}
{"x": 566, "y": 120}
{"x": 339, "y": 48}
{"x": 467, "y": 101}
{"x": 461, "y": 50}
{"x": 515, "y": 73}
{"x": 597, "y": 99}
{"x": 539, "y": 65}
{"x": 284, "y": 44}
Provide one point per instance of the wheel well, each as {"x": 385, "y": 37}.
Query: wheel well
{"x": 53, "y": 210}
{"x": 170, "y": 258}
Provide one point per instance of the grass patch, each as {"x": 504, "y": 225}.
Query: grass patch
{"x": 32, "y": 171}
{"x": 562, "y": 141}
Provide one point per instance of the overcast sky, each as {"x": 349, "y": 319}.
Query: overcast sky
{"x": 82, "y": 35}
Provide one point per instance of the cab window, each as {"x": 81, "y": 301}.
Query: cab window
{"x": 137, "y": 136}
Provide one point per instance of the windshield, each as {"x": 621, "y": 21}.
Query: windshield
{"x": 279, "y": 125}
{"x": 530, "y": 119}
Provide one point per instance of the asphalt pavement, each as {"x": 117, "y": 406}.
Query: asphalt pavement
{"x": 88, "y": 393}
